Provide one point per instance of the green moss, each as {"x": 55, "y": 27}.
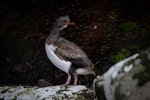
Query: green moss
{"x": 144, "y": 32}
{"x": 122, "y": 54}
{"x": 143, "y": 76}
{"x": 128, "y": 26}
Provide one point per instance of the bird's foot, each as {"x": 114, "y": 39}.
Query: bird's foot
{"x": 75, "y": 84}
{"x": 66, "y": 84}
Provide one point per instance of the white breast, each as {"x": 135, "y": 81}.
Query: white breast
{"x": 61, "y": 64}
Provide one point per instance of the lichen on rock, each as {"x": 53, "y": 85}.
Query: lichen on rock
{"x": 127, "y": 80}
{"x": 78, "y": 92}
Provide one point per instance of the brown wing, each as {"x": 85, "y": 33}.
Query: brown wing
{"x": 69, "y": 51}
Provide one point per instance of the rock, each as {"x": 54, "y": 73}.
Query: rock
{"x": 127, "y": 80}
{"x": 78, "y": 92}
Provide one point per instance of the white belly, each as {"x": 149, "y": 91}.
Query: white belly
{"x": 61, "y": 64}
{"x": 82, "y": 71}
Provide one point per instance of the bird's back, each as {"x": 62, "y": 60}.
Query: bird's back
{"x": 69, "y": 51}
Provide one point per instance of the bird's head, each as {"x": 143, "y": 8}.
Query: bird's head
{"x": 63, "y": 22}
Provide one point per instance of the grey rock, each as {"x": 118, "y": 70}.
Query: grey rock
{"x": 127, "y": 80}
{"x": 78, "y": 92}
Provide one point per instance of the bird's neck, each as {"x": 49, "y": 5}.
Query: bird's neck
{"x": 54, "y": 34}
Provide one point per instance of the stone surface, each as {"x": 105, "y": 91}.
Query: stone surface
{"x": 127, "y": 80}
{"x": 78, "y": 92}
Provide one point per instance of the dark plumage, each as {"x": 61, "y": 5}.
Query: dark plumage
{"x": 66, "y": 55}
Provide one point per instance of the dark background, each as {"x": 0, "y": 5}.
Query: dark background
{"x": 100, "y": 31}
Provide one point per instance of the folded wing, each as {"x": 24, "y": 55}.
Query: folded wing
{"x": 69, "y": 51}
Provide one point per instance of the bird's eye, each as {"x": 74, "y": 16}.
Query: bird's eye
{"x": 64, "y": 21}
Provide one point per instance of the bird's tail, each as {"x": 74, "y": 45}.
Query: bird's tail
{"x": 91, "y": 71}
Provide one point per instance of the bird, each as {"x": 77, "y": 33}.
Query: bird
{"x": 66, "y": 55}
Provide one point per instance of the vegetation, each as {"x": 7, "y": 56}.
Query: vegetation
{"x": 120, "y": 55}
{"x": 128, "y": 26}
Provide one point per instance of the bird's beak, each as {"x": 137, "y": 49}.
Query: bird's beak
{"x": 71, "y": 23}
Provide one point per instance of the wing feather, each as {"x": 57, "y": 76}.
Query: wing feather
{"x": 67, "y": 50}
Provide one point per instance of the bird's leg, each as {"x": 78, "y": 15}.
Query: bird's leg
{"x": 68, "y": 80}
{"x": 75, "y": 79}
